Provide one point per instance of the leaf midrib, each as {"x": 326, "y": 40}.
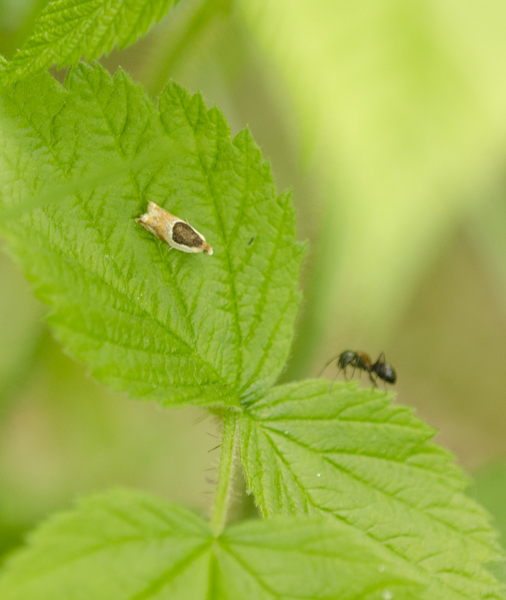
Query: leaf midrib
{"x": 219, "y": 221}
{"x": 175, "y": 289}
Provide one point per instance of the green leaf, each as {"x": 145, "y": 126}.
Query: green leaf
{"x": 68, "y": 29}
{"x": 373, "y": 466}
{"x": 77, "y": 165}
{"x": 127, "y": 545}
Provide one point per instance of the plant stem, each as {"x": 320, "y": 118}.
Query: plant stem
{"x": 180, "y": 40}
{"x": 225, "y": 473}
{"x": 13, "y": 39}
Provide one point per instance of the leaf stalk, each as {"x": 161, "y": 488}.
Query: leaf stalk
{"x": 225, "y": 473}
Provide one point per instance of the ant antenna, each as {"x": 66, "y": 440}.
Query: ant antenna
{"x": 327, "y": 364}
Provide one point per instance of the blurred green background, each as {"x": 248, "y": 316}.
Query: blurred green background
{"x": 388, "y": 121}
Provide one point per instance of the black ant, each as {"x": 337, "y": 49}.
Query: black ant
{"x": 363, "y": 362}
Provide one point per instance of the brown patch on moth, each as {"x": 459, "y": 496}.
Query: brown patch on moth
{"x": 182, "y": 233}
{"x": 173, "y": 230}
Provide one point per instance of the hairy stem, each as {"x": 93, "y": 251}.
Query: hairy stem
{"x": 225, "y": 474}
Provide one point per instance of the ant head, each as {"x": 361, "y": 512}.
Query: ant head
{"x": 346, "y": 358}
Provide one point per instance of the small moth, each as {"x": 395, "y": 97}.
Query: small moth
{"x": 174, "y": 231}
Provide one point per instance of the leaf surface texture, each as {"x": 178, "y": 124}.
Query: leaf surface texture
{"x": 66, "y": 30}
{"x": 78, "y": 165}
{"x": 372, "y": 465}
{"x": 127, "y": 545}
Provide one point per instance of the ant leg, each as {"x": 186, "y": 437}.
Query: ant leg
{"x": 381, "y": 359}
{"x": 327, "y": 364}
{"x": 353, "y": 373}
{"x": 374, "y": 382}
{"x": 333, "y": 381}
